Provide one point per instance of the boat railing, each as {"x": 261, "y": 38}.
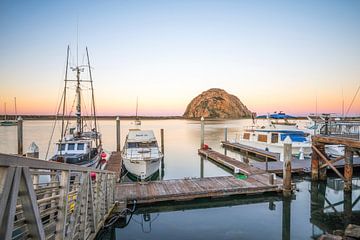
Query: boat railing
{"x": 49, "y": 200}
{"x": 350, "y": 130}
{"x": 136, "y": 155}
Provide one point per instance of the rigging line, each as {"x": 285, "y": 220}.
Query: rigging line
{"x": 348, "y": 110}
{"x": 68, "y": 120}
{"x": 54, "y": 125}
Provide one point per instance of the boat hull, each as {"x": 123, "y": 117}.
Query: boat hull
{"x": 297, "y": 148}
{"x": 142, "y": 169}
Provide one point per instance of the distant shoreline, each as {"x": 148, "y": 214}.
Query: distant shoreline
{"x": 113, "y": 117}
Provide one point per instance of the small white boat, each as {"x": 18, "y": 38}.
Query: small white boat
{"x": 141, "y": 154}
{"x": 271, "y": 136}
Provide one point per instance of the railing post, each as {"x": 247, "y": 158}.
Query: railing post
{"x": 202, "y": 132}
{"x": 118, "y": 134}
{"x": 225, "y": 134}
{"x": 63, "y": 203}
{"x": 162, "y": 140}
{"x": 287, "y": 167}
{"x": 20, "y": 135}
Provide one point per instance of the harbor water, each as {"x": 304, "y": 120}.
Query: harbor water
{"x": 313, "y": 209}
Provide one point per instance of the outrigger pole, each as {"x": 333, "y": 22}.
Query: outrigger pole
{"x": 64, "y": 102}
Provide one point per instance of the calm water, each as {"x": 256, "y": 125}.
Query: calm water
{"x": 254, "y": 217}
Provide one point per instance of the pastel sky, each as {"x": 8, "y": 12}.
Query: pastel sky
{"x": 273, "y": 55}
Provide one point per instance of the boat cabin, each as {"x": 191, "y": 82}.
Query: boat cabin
{"x": 278, "y": 136}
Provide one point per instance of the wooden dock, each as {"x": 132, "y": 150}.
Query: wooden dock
{"x": 189, "y": 189}
{"x": 115, "y": 163}
{"x": 251, "y": 150}
{"x": 231, "y": 163}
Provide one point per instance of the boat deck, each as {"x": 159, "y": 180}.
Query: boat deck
{"x": 189, "y": 189}
{"x": 251, "y": 150}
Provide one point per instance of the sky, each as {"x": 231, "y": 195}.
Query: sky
{"x": 294, "y": 56}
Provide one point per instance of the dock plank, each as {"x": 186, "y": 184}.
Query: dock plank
{"x": 187, "y": 189}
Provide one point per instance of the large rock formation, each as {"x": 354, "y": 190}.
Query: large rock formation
{"x": 216, "y": 103}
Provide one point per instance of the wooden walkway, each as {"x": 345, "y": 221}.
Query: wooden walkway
{"x": 251, "y": 150}
{"x": 232, "y": 163}
{"x": 189, "y": 189}
{"x": 115, "y": 163}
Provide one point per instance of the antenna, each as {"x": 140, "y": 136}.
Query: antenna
{"x": 77, "y": 41}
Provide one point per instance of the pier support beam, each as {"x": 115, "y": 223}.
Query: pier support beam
{"x": 202, "y": 133}
{"x": 287, "y": 167}
{"x": 20, "y": 135}
{"x": 348, "y": 169}
{"x": 117, "y": 134}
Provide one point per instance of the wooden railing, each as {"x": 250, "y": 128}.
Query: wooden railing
{"x": 49, "y": 200}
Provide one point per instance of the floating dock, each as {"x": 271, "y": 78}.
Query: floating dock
{"x": 251, "y": 150}
{"x": 231, "y": 163}
{"x": 189, "y": 189}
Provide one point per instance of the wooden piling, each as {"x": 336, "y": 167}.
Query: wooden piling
{"x": 20, "y": 135}
{"x": 225, "y": 134}
{"x": 314, "y": 166}
{"x": 348, "y": 169}
{"x": 202, "y": 133}
{"x": 287, "y": 167}
{"x": 117, "y": 134}
{"x": 322, "y": 171}
{"x": 162, "y": 140}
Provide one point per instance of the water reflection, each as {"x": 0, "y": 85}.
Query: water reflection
{"x": 331, "y": 208}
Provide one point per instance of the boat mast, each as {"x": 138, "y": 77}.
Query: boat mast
{"x": 78, "y": 102}
{"x": 64, "y": 99}
{"x": 93, "y": 98}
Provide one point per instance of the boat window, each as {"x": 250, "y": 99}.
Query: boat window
{"x": 147, "y": 145}
{"x": 71, "y": 146}
{"x": 274, "y": 138}
{"x": 262, "y": 138}
{"x": 132, "y": 145}
{"x": 62, "y": 147}
{"x": 246, "y": 136}
{"x": 80, "y": 146}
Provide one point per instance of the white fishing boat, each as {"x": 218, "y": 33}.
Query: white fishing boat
{"x": 271, "y": 136}
{"x": 81, "y": 144}
{"x": 325, "y": 124}
{"x": 141, "y": 155}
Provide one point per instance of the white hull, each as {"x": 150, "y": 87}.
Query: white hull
{"x": 297, "y": 148}
{"x": 142, "y": 168}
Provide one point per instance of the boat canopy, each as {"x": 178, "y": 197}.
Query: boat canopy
{"x": 141, "y": 136}
{"x": 276, "y": 116}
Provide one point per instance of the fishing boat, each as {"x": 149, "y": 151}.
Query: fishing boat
{"x": 80, "y": 145}
{"x": 7, "y": 122}
{"x": 141, "y": 154}
{"x": 325, "y": 124}
{"x": 271, "y": 136}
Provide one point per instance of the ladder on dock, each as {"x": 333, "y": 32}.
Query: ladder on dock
{"x": 49, "y": 200}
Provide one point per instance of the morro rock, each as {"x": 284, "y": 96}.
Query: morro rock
{"x": 216, "y": 103}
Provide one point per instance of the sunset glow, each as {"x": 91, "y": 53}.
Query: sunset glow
{"x": 299, "y": 57}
